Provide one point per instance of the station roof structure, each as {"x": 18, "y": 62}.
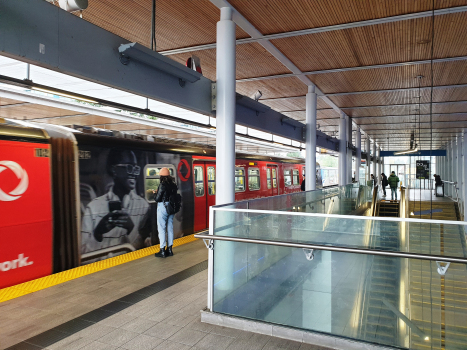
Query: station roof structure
{"x": 371, "y": 59}
{"x": 364, "y": 56}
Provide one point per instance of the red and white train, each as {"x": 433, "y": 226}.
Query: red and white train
{"x": 56, "y": 186}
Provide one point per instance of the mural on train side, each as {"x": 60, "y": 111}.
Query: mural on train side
{"x": 117, "y": 190}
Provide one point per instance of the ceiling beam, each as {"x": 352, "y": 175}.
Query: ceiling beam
{"x": 349, "y": 69}
{"x": 367, "y": 92}
{"x": 331, "y": 28}
{"x": 256, "y": 35}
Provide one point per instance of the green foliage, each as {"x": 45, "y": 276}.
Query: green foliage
{"x": 326, "y": 160}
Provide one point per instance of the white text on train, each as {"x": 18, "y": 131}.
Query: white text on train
{"x": 13, "y": 264}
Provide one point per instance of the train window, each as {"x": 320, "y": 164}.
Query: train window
{"x": 253, "y": 179}
{"x": 296, "y": 179}
{"x": 268, "y": 176}
{"x": 155, "y": 170}
{"x": 199, "y": 181}
{"x": 151, "y": 179}
{"x": 274, "y": 178}
{"x": 211, "y": 180}
{"x": 288, "y": 177}
{"x": 239, "y": 180}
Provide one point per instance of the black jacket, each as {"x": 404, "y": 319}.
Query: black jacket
{"x": 384, "y": 181}
{"x": 302, "y": 186}
{"x": 164, "y": 191}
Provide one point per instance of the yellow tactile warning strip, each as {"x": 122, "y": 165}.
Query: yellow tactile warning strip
{"x": 52, "y": 280}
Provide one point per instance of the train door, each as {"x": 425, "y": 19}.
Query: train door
{"x": 204, "y": 177}
{"x": 271, "y": 175}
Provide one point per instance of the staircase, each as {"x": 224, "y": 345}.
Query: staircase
{"x": 388, "y": 209}
{"x": 438, "y": 304}
{"x": 441, "y": 210}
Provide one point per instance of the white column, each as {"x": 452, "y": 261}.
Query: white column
{"x": 454, "y": 165}
{"x": 379, "y": 163}
{"x": 358, "y": 161}
{"x": 367, "y": 150}
{"x": 448, "y": 168}
{"x": 349, "y": 151}
{"x": 310, "y": 159}
{"x": 225, "y": 116}
{"x": 374, "y": 158}
{"x": 342, "y": 150}
{"x": 460, "y": 178}
{"x": 464, "y": 163}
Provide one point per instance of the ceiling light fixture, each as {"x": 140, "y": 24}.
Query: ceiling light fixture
{"x": 406, "y": 152}
{"x": 62, "y": 94}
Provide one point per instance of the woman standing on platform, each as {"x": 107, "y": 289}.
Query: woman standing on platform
{"x": 167, "y": 187}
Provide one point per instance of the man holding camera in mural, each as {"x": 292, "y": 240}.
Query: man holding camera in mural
{"x": 120, "y": 216}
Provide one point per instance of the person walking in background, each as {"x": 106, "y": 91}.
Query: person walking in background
{"x": 167, "y": 187}
{"x": 373, "y": 180}
{"x": 384, "y": 183}
{"x": 393, "y": 180}
{"x": 302, "y": 186}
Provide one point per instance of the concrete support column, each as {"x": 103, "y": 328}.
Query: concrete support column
{"x": 310, "y": 160}
{"x": 375, "y": 160}
{"x": 460, "y": 167}
{"x": 379, "y": 163}
{"x": 225, "y": 115}
{"x": 342, "y": 150}
{"x": 448, "y": 168}
{"x": 464, "y": 163}
{"x": 358, "y": 161}
{"x": 454, "y": 165}
{"x": 368, "y": 156}
{"x": 349, "y": 151}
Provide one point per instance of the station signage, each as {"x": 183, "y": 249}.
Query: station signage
{"x": 422, "y": 169}
{"x": 26, "y": 212}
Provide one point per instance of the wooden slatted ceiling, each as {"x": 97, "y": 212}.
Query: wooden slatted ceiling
{"x": 178, "y": 23}
{"x": 252, "y": 59}
{"x": 292, "y": 104}
{"x": 446, "y": 73}
{"x": 275, "y": 16}
{"x": 400, "y": 97}
{"x": 33, "y": 111}
{"x": 274, "y": 88}
{"x": 8, "y": 101}
{"x": 409, "y": 41}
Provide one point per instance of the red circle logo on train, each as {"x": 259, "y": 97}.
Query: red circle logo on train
{"x": 182, "y": 163}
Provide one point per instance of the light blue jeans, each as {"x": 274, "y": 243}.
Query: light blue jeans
{"x": 394, "y": 193}
{"x": 165, "y": 224}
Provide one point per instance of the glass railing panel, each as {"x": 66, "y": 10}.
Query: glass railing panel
{"x": 350, "y": 198}
{"x": 412, "y": 236}
{"x": 386, "y": 300}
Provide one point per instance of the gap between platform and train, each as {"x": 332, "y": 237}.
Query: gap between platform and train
{"x": 68, "y": 275}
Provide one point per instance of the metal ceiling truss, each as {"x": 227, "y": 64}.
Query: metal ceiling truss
{"x": 349, "y": 69}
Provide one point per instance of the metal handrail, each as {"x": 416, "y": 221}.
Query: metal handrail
{"x": 335, "y": 249}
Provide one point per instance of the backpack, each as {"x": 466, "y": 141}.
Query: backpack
{"x": 175, "y": 202}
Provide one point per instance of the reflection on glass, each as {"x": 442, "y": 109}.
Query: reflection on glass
{"x": 239, "y": 180}
{"x": 154, "y": 171}
{"x": 296, "y": 179}
{"x": 211, "y": 180}
{"x": 268, "y": 176}
{"x": 151, "y": 185}
{"x": 288, "y": 178}
{"x": 253, "y": 179}
{"x": 199, "y": 181}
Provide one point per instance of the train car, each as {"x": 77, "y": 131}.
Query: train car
{"x": 58, "y": 185}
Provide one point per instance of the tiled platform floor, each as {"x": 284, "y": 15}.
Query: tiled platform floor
{"x": 168, "y": 320}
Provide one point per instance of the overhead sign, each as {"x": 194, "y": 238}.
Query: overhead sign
{"x": 26, "y": 212}
{"x": 423, "y": 169}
